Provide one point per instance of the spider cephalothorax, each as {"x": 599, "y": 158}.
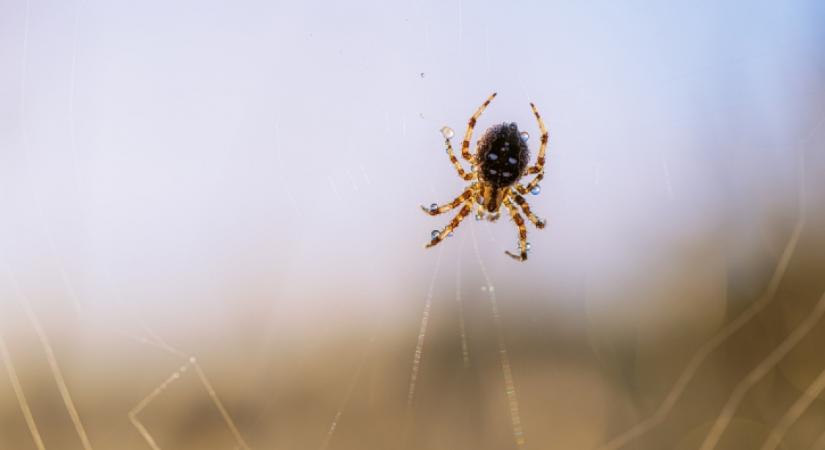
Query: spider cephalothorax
{"x": 500, "y": 161}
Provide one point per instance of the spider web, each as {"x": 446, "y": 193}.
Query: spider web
{"x": 346, "y": 182}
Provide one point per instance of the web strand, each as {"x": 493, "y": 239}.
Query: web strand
{"x": 54, "y": 367}
{"x": 723, "y": 334}
{"x": 509, "y": 385}
{"x": 18, "y": 392}
{"x": 795, "y": 412}
{"x": 422, "y": 332}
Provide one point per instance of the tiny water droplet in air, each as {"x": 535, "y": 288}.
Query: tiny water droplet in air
{"x": 524, "y": 136}
{"x": 536, "y": 190}
{"x": 447, "y": 132}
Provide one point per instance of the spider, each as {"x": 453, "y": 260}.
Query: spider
{"x": 499, "y": 163}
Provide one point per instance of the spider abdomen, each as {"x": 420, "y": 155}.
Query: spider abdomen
{"x": 502, "y": 155}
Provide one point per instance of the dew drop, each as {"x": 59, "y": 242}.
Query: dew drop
{"x": 450, "y": 234}
{"x": 542, "y": 222}
{"x": 492, "y": 156}
{"x": 434, "y": 234}
{"x": 524, "y": 136}
{"x": 536, "y": 190}
{"x": 527, "y": 246}
{"x": 433, "y": 207}
{"x": 447, "y": 132}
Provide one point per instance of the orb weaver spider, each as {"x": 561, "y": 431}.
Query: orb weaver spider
{"x": 499, "y": 163}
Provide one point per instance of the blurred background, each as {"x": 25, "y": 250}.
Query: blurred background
{"x": 210, "y": 235}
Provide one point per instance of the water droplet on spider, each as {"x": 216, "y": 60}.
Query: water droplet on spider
{"x": 479, "y": 217}
{"x": 450, "y": 234}
{"x": 536, "y": 190}
{"x": 512, "y": 160}
{"x": 447, "y": 132}
{"x": 542, "y": 222}
{"x": 433, "y": 207}
{"x": 527, "y": 246}
{"x": 492, "y": 156}
{"x": 524, "y": 136}
{"x": 435, "y": 234}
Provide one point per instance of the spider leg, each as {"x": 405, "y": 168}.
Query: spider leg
{"x": 522, "y": 203}
{"x": 522, "y": 231}
{"x": 465, "y": 210}
{"x": 467, "y": 194}
{"x": 467, "y": 176}
{"x": 539, "y": 167}
{"x": 465, "y": 145}
{"x": 524, "y": 190}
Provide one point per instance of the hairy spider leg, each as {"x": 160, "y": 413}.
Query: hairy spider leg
{"x": 533, "y": 183}
{"x": 465, "y": 210}
{"x": 522, "y": 203}
{"x": 522, "y": 231}
{"x": 539, "y": 167}
{"x": 467, "y": 176}
{"x": 465, "y": 145}
{"x": 466, "y": 195}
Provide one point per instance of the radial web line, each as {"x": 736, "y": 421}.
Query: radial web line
{"x": 760, "y": 371}
{"x": 422, "y": 332}
{"x": 18, "y": 392}
{"x": 133, "y": 414}
{"x": 24, "y": 302}
{"x": 509, "y": 385}
{"x": 465, "y": 350}
{"x": 192, "y": 362}
{"x": 723, "y": 334}
{"x": 795, "y": 412}
{"x": 217, "y": 401}
{"x": 352, "y": 384}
